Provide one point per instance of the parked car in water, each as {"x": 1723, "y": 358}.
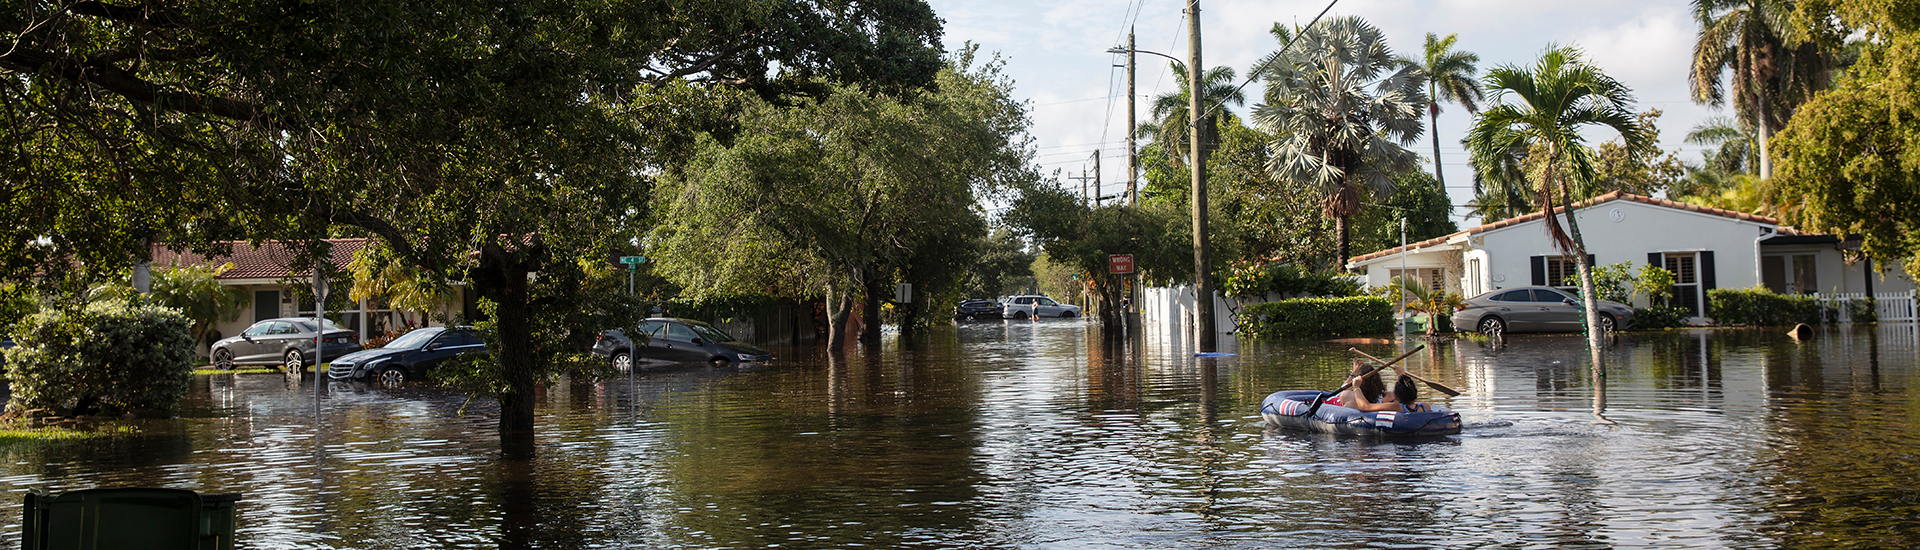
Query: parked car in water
{"x": 671, "y": 340}
{"x": 978, "y": 309}
{"x": 1033, "y": 305}
{"x": 408, "y": 357}
{"x": 287, "y": 341}
{"x": 1535, "y": 309}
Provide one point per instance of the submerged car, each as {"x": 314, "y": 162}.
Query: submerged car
{"x": 408, "y": 357}
{"x": 1033, "y": 305}
{"x": 287, "y": 341}
{"x": 977, "y": 309}
{"x": 671, "y": 340}
{"x": 1535, "y": 309}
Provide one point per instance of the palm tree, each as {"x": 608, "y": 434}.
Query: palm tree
{"x": 1776, "y": 67}
{"x": 1342, "y": 111}
{"x": 1432, "y": 302}
{"x": 1169, "y": 129}
{"x": 196, "y": 291}
{"x": 1450, "y": 79}
{"x": 1734, "y": 153}
{"x": 1551, "y": 101}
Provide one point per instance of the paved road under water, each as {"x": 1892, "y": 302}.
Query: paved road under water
{"x": 1046, "y": 435}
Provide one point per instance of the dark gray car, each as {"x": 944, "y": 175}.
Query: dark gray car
{"x": 1535, "y": 309}
{"x": 408, "y": 357}
{"x": 671, "y": 340}
{"x": 287, "y": 341}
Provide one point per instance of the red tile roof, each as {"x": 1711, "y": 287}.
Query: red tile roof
{"x": 268, "y": 260}
{"x": 1616, "y": 195}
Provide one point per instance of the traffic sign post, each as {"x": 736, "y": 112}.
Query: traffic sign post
{"x": 633, "y": 262}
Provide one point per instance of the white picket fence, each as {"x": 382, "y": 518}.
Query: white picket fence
{"x": 1889, "y": 307}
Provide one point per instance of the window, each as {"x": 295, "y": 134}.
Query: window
{"x": 1562, "y": 271}
{"x": 679, "y": 332}
{"x": 1473, "y": 277}
{"x": 1514, "y": 296}
{"x": 1544, "y": 295}
{"x": 258, "y": 329}
{"x": 1791, "y": 274}
{"x": 1432, "y": 278}
{"x": 1690, "y": 278}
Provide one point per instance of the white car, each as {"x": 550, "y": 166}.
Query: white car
{"x": 1028, "y": 306}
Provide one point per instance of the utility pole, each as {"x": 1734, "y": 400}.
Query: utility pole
{"x": 1096, "y": 178}
{"x": 1206, "y": 340}
{"x": 1133, "y": 153}
{"x": 1083, "y": 177}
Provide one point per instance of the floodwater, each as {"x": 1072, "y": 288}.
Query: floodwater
{"x": 1046, "y": 435}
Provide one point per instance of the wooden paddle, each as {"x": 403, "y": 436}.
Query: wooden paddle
{"x": 1343, "y": 387}
{"x": 1431, "y": 384}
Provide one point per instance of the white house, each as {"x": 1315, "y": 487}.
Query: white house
{"x": 1706, "y": 248}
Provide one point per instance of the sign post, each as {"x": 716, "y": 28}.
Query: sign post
{"x": 632, "y": 262}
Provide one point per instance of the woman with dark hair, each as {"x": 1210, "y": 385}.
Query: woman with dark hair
{"x": 1370, "y": 388}
{"x": 1368, "y": 393}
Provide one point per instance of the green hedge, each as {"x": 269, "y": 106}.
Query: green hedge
{"x": 1318, "y": 317}
{"x": 1763, "y": 307}
{"x": 105, "y": 358}
{"x": 1659, "y": 317}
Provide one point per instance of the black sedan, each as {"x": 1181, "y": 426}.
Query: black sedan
{"x": 287, "y": 342}
{"x": 978, "y": 309}
{"x": 671, "y": 340}
{"x": 408, "y": 357}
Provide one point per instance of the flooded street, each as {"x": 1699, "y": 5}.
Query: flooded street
{"x": 1047, "y": 435}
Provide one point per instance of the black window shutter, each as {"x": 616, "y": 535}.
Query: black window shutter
{"x": 1590, "y": 261}
{"x": 1706, "y": 271}
{"x": 1539, "y": 271}
{"x": 1656, "y": 259}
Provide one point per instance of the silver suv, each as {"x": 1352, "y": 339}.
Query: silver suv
{"x": 1033, "y": 305}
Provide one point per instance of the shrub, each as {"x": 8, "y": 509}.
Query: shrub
{"x": 1763, "y": 307}
{"x": 1246, "y": 278}
{"x": 1659, "y": 317}
{"x": 1863, "y": 310}
{"x": 105, "y": 358}
{"x": 1318, "y": 317}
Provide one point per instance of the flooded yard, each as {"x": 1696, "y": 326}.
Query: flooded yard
{"x": 1049, "y": 435}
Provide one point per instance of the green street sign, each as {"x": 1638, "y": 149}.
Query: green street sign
{"x": 633, "y": 259}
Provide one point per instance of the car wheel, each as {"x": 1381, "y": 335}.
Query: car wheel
{"x": 223, "y": 360}
{"x": 1607, "y": 324}
{"x": 622, "y": 361}
{"x": 1066, "y": 315}
{"x": 294, "y": 362}
{"x": 1019, "y": 315}
{"x": 1493, "y": 327}
{"x": 391, "y": 377}
{"x": 718, "y": 362}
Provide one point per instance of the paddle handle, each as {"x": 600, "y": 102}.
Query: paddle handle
{"x": 1431, "y": 384}
{"x": 1409, "y": 353}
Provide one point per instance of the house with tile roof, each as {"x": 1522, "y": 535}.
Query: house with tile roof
{"x": 1706, "y": 248}
{"x": 268, "y": 273}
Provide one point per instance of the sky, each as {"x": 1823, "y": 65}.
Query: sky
{"x": 1056, "y": 54}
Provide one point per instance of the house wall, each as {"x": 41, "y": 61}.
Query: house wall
{"x": 1641, "y": 229}
{"x": 1834, "y": 275}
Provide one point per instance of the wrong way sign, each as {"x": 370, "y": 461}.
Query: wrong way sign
{"x": 1120, "y": 264}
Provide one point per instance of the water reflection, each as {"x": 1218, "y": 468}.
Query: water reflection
{"x": 1051, "y": 434}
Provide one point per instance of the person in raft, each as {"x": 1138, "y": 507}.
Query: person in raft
{"x": 1404, "y": 398}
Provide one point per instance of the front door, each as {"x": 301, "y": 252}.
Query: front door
{"x": 266, "y": 304}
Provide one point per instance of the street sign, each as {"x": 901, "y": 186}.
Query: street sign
{"x": 1119, "y": 264}
{"x": 903, "y": 293}
{"x": 633, "y": 259}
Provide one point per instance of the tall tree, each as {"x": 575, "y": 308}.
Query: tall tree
{"x": 833, "y": 198}
{"x": 1775, "y": 64}
{"x": 1342, "y": 112}
{"x": 1541, "y": 109}
{"x": 1850, "y": 159}
{"x": 1450, "y": 78}
{"x": 1169, "y": 126}
{"x": 478, "y": 139}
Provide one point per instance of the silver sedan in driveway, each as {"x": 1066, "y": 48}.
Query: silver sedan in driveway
{"x": 1535, "y": 309}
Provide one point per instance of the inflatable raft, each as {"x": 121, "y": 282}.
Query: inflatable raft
{"x": 1288, "y": 409}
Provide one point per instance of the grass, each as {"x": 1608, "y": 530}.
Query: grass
{"x": 13, "y": 435}
{"x": 208, "y": 369}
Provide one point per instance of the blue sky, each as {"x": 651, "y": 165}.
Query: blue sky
{"x": 1056, "y": 54}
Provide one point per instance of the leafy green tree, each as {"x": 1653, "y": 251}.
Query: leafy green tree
{"x": 480, "y": 140}
{"x": 1733, "y": 149}
{"x": 1077, "y": 239}
{"x": 1775, "y": 64}
{"x": 1424, "y": 299}
{"x": 196, "y": 293}
{"x": 1849, "y": 163}
{"x": 1420, "y": 199}
{"x": 107, "y": 357}
{"x": 1003, "y": 267}
{"x": 1645, "y": 172}
{"x": 1549, "y": 103}
{"x": 834, "y": 198}
{"x": 377, "y": 275}
{"x": 1342, "y": 112}
{"x": 1450, "y": 79}
{"x": 1169, "y": 130}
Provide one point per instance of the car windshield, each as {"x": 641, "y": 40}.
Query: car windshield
{"x": 412, "y": 340}
{"x": 307, "y": 326}
{"x": 711, "y": 333}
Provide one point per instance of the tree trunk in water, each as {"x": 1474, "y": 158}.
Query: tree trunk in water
{"x": 837, "y": 306}
{"x": 513, "y": 321}
{"x": 1591, "y": 304}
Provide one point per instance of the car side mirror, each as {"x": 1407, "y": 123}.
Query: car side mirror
{"x": 698, "y": 342}
{"x": 1568, "y": 301}
{"x": 430, "y": 347}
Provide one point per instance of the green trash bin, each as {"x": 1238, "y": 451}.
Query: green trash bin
{"x": 159, "y": 519}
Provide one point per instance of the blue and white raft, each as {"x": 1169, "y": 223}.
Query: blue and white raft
{"x": 1288, "y": 409}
